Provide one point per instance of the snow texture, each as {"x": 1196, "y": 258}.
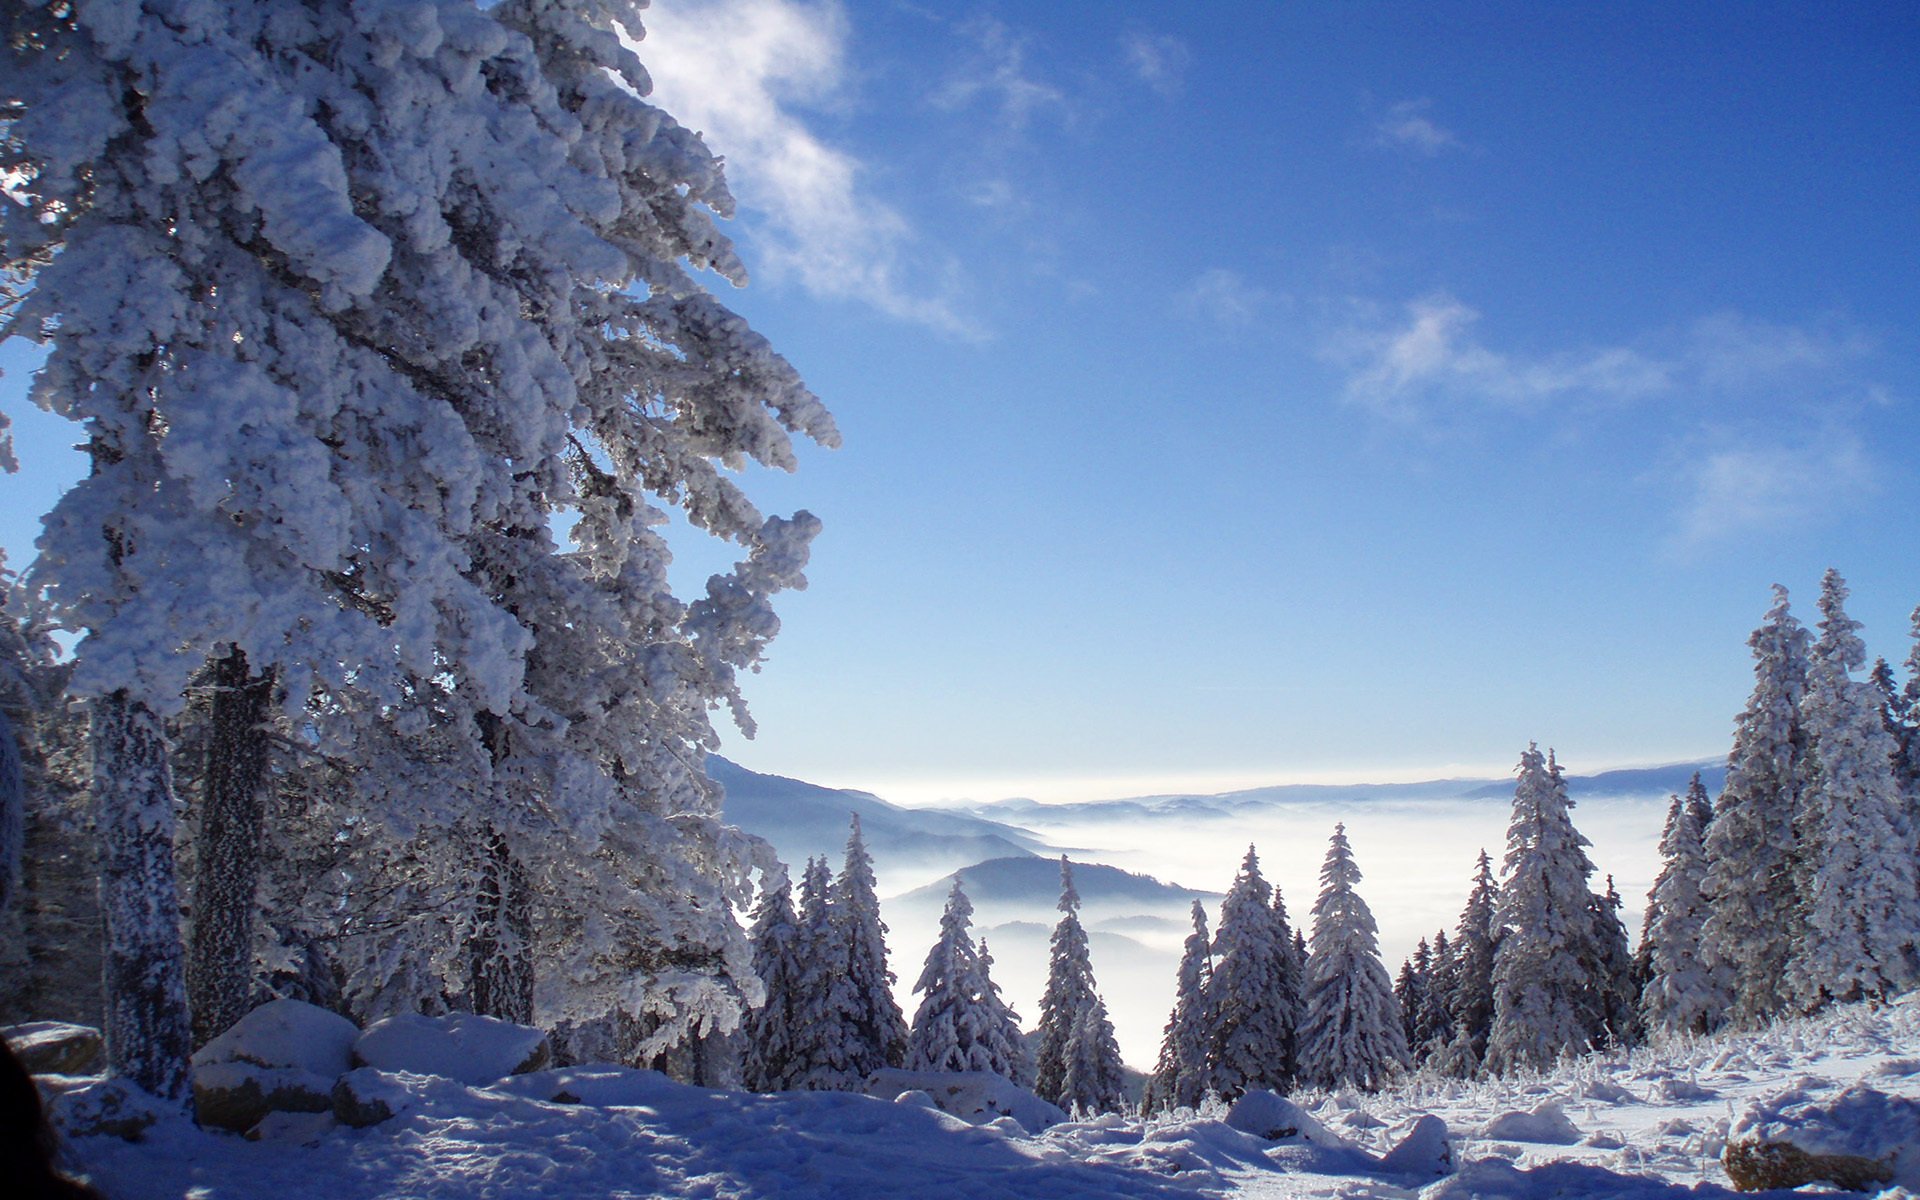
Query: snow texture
{"x": 460, "y": 1046}
{"x": 286, "y": 1033}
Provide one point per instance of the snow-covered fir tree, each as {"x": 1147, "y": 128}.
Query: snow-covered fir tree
{"x": 1617, "y": 1000}
{"x": 1862, "y": 917}
{"x": 1411, "y": 987}
{"x": 956, "y": 1028}
{"x": 1753, "y": 902}
{"x": 1683, "y": 992}
{"x": 1701, "y": 804}
{"x": 1544, "y": 984}
{"x": 1094, "y": 1081}
{"x": 1004, "y": 1048}
{"x": 1179, "y": 1078}
{"x": 1470, "y": 990}
{"x": 1070, "y": 991}
{"x": 1352, "y": 1033}
{"x": 405, "y": 290}
{"x": 825, "y": 1009}
{"x": 772, "y": 1035}
{"x": 880, "y": 1031}
{"x": 1253, "y": 994}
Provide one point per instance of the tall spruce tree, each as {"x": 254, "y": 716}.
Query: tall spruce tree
{"x": 1094, "y": 1081}
{"x": 772, "y": 1032}
{"x": 826, "y": 1009}
{"x": 1683, "y": 992}
{"x": 1069, "y": 993}
{"x": 1753, "y": 900}
{"x": 955, "y": 1029}
{"x": 1352, "y": 1033}
{"x": 1470, "y": 986}
{"x": 1544, "y": 981}
{"x": 880, "y": 1031}
{"x": 1179, "y": 1078}
{"x": 1253, "y": 994}
{"x": 1862, "y": 917}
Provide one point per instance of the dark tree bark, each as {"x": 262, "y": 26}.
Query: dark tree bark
{"x": 13, "y": 815}
{"x": 227, "y": 870}
{"x": 502, "y": 944}
{"x": 147, "y": 1030}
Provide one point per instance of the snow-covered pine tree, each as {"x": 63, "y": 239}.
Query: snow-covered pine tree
{"x": 411, "y": 284}
{"x": 1435, "y": 1019}
{"x": 1617, "y": 1003}
{"x": 826, "y": 1010}
{"x": 1863, "y": 901}
{"x": 1410, "y": 989}
{"x": 1179, "y": 1078}
{"x": 1683, "y": 993}
{"x": 950, "y": 1026}
{"x": 1544, "y": 984}
{"x": 1094, "y": 1081}
{"x": 1253, "y": 994}
{"x": 771, "y": 1032}
{"x": 1002, "y": 1047}
{"x": 1069, "y": 992}
{"x": 1753, "y": 903}
{"x": 1470, "y": 985}
{"x": 1352, "y": 1035}
{"x": 881, "y": 1030}
{"x": 1701, "y": 804}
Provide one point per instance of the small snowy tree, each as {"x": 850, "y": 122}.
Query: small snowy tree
{"x": 1544, "y": 985}
{"x": 1069, "y": 993}
{"x": 1002, "y": 1048}
{"x": 1753, "y": 900}
{"x": 1470, "y": 981}
{"x": 1253, "y": 994}
{"x": 1683, "y": 992}
{"x": 1863, "y": 907}
{"x": 880, "y": 1031}
{"x": 1094, "y": 1081}
{"x": 1617, "y": 1002}
{"x": 955, "y": 1027}
{"x": 1352, "y": 1034}
{"x": 772, "y": 1035}
{"x": 1179, "y": 1078}
{"x": 826, "y": 1010}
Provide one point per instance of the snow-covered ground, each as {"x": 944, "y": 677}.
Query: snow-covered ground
{"x": 1643, "y": 1125}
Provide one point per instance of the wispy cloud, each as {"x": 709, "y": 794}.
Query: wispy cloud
{"x": 1159, "y": 60}
{"x": 1408, "y": 127}
{"x": 1224, "y": 297}
{"x": 1433, "y": 357}
{"x": 1748, "y": 488}
{"x": 738, "y": 70}
{"x": 995, "y": 71}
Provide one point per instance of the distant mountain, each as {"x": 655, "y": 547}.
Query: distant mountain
{"x": 804, "y": 819}
{"x": 1639, "y": 781}
{"x": 1029, "y": 881}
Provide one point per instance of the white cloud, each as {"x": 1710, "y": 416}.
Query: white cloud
{"x": 1224, "y": 297}
{"x": 1407, "y": 127}
{"x": 996, "y": 71}
{"x": 735, "y": 70}
{"x": 1734, "y": 350}
{"x": 1747, "y": 489}
{"x": 1160, "y": 61}
{"x": 1434, "y": 357}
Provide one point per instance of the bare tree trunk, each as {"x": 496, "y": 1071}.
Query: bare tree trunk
{"x": 13, "y": 816}
{"x": 227, "y": 870}
{"x": 148, "y": 1035}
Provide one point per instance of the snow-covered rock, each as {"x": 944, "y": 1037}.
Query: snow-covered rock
{"x": 286, "y": 1034}
{"x": 104, "y": 1108}
{"x": 239, "y": 1095}
{"x": 367, "y": 1096}
{"x": 296, "y": 1128}
{"x": 1424, "y": 1150}
{"x": 55, "y": 1047}
{"x": 1859, "y": 1138}
{"x": 1271, "y": 1116}
{"x": 976, "y": 1097}
{"x": 1547, "y": 1124}
{"x": 460, "y": 1046}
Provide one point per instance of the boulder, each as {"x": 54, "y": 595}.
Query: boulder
{"x": 295, "y": 1128}
{"x": 1547, "y": 1125}
{"x": 1424, "y": 1150}
{"x": 238, "y": 1095}
{"x": 286, "y": 1034}
{"x": 976, "y": 1097}
{"x": 368, "y": 1096}
{"x": 1860, "y": 1139}
{"x": 55, "y": 1047}
{"x": 1275, "y": 1118}
{"x": 106, "y": 1108}
{"x": 470, "y": 1049}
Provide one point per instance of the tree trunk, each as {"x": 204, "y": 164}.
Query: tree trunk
{"x": 13, "y": 816}
{"x": 147, "y": 1031}
{"x": 502, "y": 944}
{"x": 227, "y": 871}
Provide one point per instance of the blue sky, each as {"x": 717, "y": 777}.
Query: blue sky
{"x": 1238, "y": 393}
